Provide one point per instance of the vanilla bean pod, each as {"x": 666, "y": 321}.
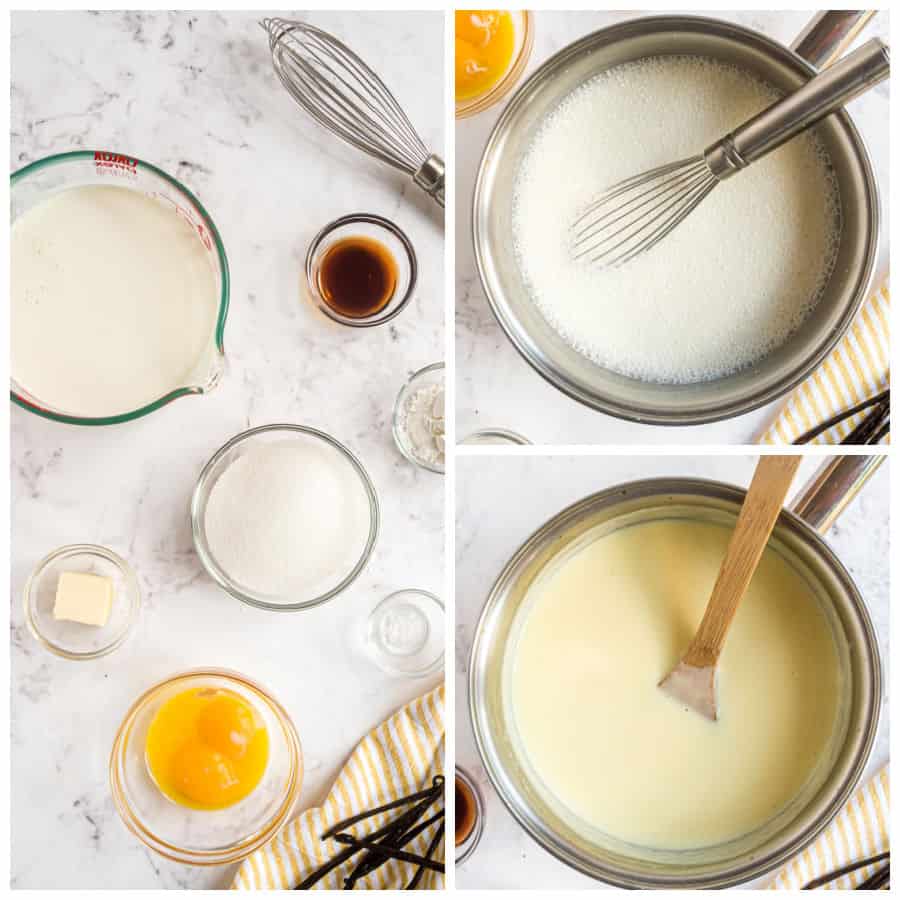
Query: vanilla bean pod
{"x": 372, "y": 859}
{"x": 431, "y": 848}
{"x": 401, "y": 824}
{"x": 846, "y": 870}
{"x": 372, "y": 862}
{"x": 389, "y": 850}
{"x": 436, "y": 783}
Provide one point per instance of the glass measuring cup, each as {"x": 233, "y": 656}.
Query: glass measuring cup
{"x": 38, "y": 180}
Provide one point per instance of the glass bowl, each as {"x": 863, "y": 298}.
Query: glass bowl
{"x": 523, "y": 23}
{"x": 205, "y": 837}
{"x": 38, "y": 180}
{"x": 72, "y": 640}
{"x": 221, "y": 460}
{"x": 494, "y": 436}
{"x": 430, "y": 375}
{"x": 386, "y": 233}
{"x": 405, "y": 634}
{"x": 467, "y": 847}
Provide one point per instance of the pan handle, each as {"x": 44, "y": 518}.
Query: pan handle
{"x": 826, "y": 495}
{"x": 828, "y": 34}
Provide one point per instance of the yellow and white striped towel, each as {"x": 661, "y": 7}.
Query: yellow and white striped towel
{"x": 860, "y": 830}
{"x": 397, "y": 758}
{"x": 856, "y": 369}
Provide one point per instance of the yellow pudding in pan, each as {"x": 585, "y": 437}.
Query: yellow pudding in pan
{"x": 604, "y": 623}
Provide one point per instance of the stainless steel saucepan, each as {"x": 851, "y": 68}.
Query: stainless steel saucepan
{"x": 797, "y": 537}
{"x": 787, "y": 69}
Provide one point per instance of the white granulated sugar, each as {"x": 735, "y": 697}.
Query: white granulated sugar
{"x": 732, "y": 282}
{"x": 288, "y": 519}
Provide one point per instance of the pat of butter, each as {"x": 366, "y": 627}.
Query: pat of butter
{"x": 82, "y": 597}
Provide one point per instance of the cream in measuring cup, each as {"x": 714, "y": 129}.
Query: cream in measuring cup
{"x": 113, "y": 301}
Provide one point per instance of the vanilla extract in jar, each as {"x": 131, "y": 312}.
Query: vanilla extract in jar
{"x": 357, "y": 277}
{"x": 464, "y": 801}
{"x": 469, "y": 815}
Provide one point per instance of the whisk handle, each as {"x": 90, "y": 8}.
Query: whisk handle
{"x": 821, "y": 95}
{"x": 430, "y": 178}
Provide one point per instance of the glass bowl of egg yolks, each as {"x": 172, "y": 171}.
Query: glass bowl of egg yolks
{"x": 492, "y": 48}
{"x": 206, "y": 767}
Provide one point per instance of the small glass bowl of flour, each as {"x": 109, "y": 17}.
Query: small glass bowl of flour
{"x": 419, "y": 418}
{"x": 284, "y": 517}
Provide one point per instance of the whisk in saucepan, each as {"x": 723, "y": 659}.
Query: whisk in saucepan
{"x": 345, "y": 96}
{"x": 636, "y": 214}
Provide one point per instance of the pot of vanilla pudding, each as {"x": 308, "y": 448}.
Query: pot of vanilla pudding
{"x": 749, "y": 294}
{"x": 607, "y": 772}
{"x": 119, "y": 289}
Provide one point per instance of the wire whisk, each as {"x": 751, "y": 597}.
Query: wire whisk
{"x": 345, "y": 96}
{"x": 636, "y": 214}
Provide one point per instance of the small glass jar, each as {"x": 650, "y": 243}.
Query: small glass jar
{"x": 467, "y": 841}
{"x": 430, "y": 377}
{"x": 404, "y": 634}
{"x": 386, "y": 233}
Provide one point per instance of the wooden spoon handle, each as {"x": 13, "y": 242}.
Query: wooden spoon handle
{"x": 757, "y": 518}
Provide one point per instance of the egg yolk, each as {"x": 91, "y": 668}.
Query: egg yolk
{"x": 485, "y": 41}
{"x": 207, "y": 748}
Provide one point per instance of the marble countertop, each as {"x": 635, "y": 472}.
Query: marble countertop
{"x": 494, "y": 516}
{"x": 495, "y": 387}
{"x": 196, "y": 95}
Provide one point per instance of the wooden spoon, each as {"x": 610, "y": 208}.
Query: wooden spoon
{"x": 693, "y": 681}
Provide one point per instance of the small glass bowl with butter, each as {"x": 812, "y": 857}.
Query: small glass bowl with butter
{"x": 53, "y": 603}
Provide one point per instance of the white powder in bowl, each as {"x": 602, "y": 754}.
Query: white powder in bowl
{"x": 727, "y": 286}
{"x": 288, "y": 519}
{"x": 420, "y": 423}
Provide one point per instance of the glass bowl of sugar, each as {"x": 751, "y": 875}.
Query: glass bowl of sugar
{"x": 284, "y": 517}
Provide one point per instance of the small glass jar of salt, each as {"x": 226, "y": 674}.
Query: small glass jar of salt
{"x": 404, "y": 634}
{"x": 419, "y": 418}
